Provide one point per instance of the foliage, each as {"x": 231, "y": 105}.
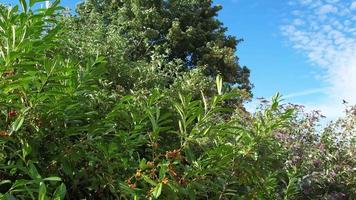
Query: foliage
{"x": 328, "y": 172}
{"x": 68, "y": 132}
{"x": 170, "y": 37}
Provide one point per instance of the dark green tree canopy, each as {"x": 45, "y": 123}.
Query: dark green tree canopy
{"x": 187, "y": 30}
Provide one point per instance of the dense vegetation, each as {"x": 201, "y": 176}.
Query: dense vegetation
{"x": 144, "y": 100}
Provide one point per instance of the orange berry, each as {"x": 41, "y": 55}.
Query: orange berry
{"x": 165, "y": 180}
{"x": 4, "y": 134}
{"x": 138, "y": 173}
{"x": 150, "y": 164}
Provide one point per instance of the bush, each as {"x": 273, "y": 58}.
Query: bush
{"x": 66, "y": 134}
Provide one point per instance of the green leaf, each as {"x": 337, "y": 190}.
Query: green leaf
{"x": 23, "y": 5}
{"x": 53, "y": 178}
{"x": 149, "y": 180}
{"x": 5, "y": 182}
{"x": 42, "y": 192}
{"x": 8, "y": 197}
{"x": 163, "y": 170}
{"x": 33, "y": 172}
{"x": 20, "y": 184}
{"x": 157, "y": 190}
{"x": 16, "y": 125}
{"x": 26, "y": 149}
{"x": 143, "y": 164}
{"x": 60, "y": 192}
{"x": 219, "y": 84}
{"x": 33, "y": 2}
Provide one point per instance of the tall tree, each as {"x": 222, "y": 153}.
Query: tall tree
{"x": 135, "y": 30}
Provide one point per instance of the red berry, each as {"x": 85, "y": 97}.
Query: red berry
{"x": 12, "y": 113}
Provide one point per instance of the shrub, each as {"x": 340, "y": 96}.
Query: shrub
{"x": 66, "y": 134}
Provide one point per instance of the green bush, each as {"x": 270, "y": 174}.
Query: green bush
{"x": 67, "y": 133}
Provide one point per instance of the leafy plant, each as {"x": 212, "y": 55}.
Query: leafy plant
{"x": 80, "y": 126}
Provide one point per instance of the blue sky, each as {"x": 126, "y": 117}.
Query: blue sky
{"x": 304, "y": 49}
{"x": 276, "y": 67}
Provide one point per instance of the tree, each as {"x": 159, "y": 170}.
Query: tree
{"x": 184, "y": 31}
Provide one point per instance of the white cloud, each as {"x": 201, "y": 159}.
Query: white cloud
{"x": 328, "y": 38}
{"x": 305, "y": 93}
{"x": 353, "y": 6}
{"x": 298, "y": 22}
{"x": 325, "y": 9}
